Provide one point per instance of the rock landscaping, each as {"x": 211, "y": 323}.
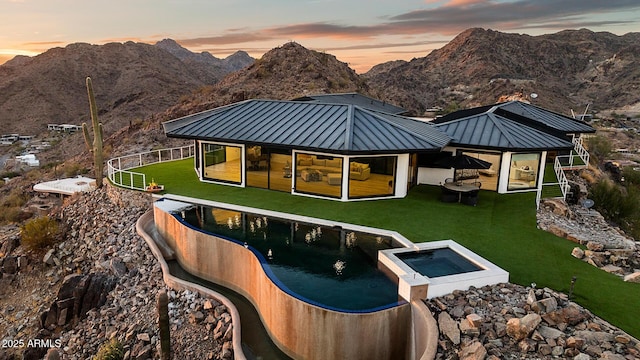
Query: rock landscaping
{"x": 99, "y": 283}
{"x": 515, "y": 322}
{"x": 602, "y": 245}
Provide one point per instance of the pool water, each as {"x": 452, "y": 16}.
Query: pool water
{"x": 438, "y": 262}
{"x": 331, "y": 267}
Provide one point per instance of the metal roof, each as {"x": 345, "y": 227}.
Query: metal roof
{"x": 533, "y": 115}
{"x": 491, "y": 131}
{"x": 354, "y": 99}
{"x": 325, "y": 127}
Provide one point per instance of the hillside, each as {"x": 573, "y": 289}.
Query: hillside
{"x": 567, "y": 70}
{"x": 285, "y": 72}
{"x": 131, "y": 81}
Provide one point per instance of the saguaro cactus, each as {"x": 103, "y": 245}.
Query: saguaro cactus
{"x": 94, "y": 146}
{"x": 163, "y": 324}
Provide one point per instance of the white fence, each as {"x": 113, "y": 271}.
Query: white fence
{"x": 118, "y": 168}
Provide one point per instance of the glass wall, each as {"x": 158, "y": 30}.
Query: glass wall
{"x": 523, "y": 173}
{"x": 487, "y": 178}
{"x": 372, "y": 176}
{"x": 318, "y": 174}
{"x": 268, "y": 168}
{"x": 221, "y": 163}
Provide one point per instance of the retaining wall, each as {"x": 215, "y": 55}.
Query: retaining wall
{"x": 300, "y": 329}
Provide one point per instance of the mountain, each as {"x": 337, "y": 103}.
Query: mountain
{"x": 209, "y": 68}
{"x": 282, "y": 73}
{"x": 131, "y": 81}
{"x": 566, "y": 70}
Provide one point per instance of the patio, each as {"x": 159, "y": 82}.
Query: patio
{"x": 501, "y": 228}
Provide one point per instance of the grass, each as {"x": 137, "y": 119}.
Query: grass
{"x": 501, "y": 228}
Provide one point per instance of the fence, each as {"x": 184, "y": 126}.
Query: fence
{"x": 118, "y": 168}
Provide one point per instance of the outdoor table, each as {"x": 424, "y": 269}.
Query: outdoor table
{"x": 461, "y": 188}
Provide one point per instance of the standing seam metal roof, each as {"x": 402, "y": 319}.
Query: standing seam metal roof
{"x": 330, "y": 127}
{"x": 489, "y": 130}
{"x": 546, "y": 118}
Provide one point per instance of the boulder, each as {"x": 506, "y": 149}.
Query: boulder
{"x": 577, "y": 253}
{"x": 634, "y": 277}
{"x": 520, "y": 328}
{"x": 10, "y": 265}
{"x": 449, "y": 327}
{"x": 472, "y": 351}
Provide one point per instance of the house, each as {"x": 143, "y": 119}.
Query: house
{"x": 331, "y": 150}
{"x": 29, "y": 159}
{"x": 350, "y": 147}
{"x": 517, "y": 138}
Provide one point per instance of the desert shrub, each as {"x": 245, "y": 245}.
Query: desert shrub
{"x": 631, "y": 177}
{"x": 599, "y": 148}
{"x": 40, "y": 233}
{"x": 74, "y": 169}
{"x": 16, "y": 198}
{"x": 111, "y": 350}
{"x": 617, "y": 204}
{"x": 13, "y": 215}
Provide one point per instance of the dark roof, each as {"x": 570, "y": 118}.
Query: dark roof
{"x": 527, "y": 113}
{"x": 491, "y": 131}
{"x": 354, "y": 99}
{"x": 325, "y": 127}
{"x": 531, "y": 115}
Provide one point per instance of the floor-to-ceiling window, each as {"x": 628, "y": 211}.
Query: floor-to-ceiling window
{"x": 221, "y": 162}
{"x": 372, "y": 176}
{"x": 487, "y": 178}
{"x": 523, "y": 172}
{"x": 318, "y": 174}
{"x": 268, "y": 168}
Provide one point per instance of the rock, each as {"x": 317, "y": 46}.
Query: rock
{"x": 550, "y": 333}
{"x": 472, "y": 351}
{"x": 527, "y": 345}
{"x": 52, "y": 354}
{"x": 449, "y": 327}
{"x": 144, "y": 337}
{"x": 612, "y": 269}
{"x": 468, "y": 328}
{"x": 196, "y": 317}
{"x": 595, "y": 246}
{"x": 475, "y": 320}
{"x": 582, "y": 356}
{"x": 608, "y": 355}
{"x": 48, "y": 257}
{"x": 227, "y": 350}
{"x": 118, "y": 268}
{"x": 545, "y": 305}
{"x": 595, "y": 337}
{"x": 574, "y": 342}
{"x": 634, "y": 277}
{"x": 520, "y": 328}
{"x": 577, "y": 253}
{"x": 10, "y": 265}
{"x": 208, "y": 304}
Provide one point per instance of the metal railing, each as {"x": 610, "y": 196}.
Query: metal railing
{"x": 582, "y": 152}
{"x": 118, "y": 168}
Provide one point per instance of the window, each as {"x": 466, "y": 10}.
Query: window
{"x": 318, "y": 174}
{"x": 372, "y": 176}
{"x": 523, "y": 173}
{"x": 221, "y": 163}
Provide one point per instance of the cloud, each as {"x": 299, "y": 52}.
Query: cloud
{"x": 457, "y": 15}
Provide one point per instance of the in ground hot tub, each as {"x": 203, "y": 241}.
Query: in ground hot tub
{"x": 438, "y": 268}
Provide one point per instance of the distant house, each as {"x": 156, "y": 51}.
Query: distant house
{"x": 348, "y": 147}
{"x": 64, "y": 128}
{"x": 28, "y": 159}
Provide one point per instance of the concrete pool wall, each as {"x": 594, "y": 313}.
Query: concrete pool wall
{"x": 300, "y": 329}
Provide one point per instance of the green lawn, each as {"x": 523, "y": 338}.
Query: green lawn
{"x": 501, "y": 228}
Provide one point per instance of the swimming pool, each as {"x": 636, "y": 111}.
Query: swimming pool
{"x": 333, "y": 267}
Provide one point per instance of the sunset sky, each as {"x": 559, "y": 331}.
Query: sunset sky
{"x": 360, "y": 32}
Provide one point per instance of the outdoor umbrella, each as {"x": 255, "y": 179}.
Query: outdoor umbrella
{"x": 462, "y": 161}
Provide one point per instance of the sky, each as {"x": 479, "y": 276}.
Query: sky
{"x": 361, "y": 33}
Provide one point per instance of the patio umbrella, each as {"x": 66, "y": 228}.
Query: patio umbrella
{"x": 462, "y": 161}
